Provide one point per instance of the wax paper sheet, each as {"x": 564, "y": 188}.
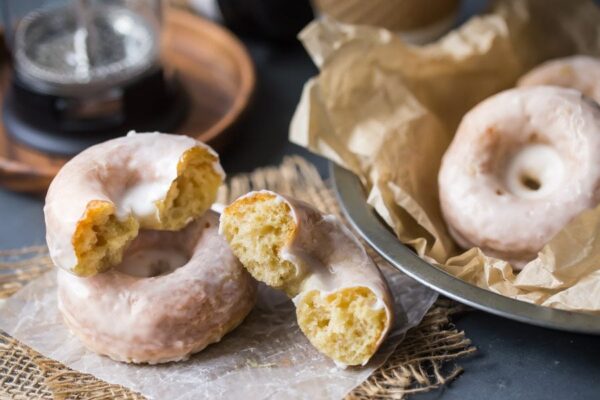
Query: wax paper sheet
{"x": 387, "y": 111}
{"x": 267, "y": 357}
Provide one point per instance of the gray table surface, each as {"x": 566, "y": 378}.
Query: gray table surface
{"x": 514, "y": 361}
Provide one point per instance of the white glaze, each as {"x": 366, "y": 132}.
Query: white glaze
{"x": 552, "y": 133}
{"x": 163, "y": 318}
{"x": 132, "y": 172}
{"x": 576, "y": 72}
{"x": 333, "y": 259}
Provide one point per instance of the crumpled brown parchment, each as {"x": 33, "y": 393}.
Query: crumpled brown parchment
{"x": 387, "y": 111}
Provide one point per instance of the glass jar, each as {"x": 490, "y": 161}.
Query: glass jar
{"x": 85, "y": 71}
{"x": 74, "y": 47}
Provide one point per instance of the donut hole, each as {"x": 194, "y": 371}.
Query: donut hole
{"x": 344, "y": 325}
{"x": 153, "y": 262}
{"x": 533, "y": 171}
{"x": 530, "y": 182}
{"x": 257, "y": 228}
{"x": 156, "y": 253}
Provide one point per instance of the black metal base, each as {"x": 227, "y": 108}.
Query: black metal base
{"x": 45, "y": 123}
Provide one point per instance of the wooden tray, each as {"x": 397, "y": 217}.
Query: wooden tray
{"x": 212, "y": 65}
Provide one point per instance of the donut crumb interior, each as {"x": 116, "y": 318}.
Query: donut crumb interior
{"x": 343, "y": 325}
{"x": 192, "y": 192}
{"x": 100, "y": 238}
{"x": 256, "y": 228}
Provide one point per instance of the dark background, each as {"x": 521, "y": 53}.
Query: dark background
{"x": 514, "y": 361}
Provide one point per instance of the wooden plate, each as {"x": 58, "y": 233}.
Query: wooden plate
{"x": 211, "y": 64}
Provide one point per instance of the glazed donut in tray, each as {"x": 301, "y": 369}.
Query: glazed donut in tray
{"x": 576, "y": 72}
{"x": 522, "y": 164}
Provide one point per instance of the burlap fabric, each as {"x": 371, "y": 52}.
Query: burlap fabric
{"x": 422, "y": 362}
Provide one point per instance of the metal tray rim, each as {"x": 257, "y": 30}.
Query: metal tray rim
{"x": 375, "y": 232}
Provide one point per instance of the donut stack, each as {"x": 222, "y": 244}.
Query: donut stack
{"x": 145, "y": 276}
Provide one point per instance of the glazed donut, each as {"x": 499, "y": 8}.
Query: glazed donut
{"x": 102, "y": 197}
{"x": 146, "y": 310}
{"x": 522, "y": 164}
{"x": 343, "y": 303}
{"x": 576, "y": 72}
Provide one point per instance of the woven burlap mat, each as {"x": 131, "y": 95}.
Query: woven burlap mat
{"x": 424, "y": 361}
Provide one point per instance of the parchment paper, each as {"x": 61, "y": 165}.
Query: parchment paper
{"x": 266, "y": 357}
{"x": 387, "y": 111}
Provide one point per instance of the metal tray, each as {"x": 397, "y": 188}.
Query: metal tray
{"x": 352, "y": 198}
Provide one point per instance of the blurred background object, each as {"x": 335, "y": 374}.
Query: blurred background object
{"x": 79, "y": 72}
{"x": 418, "y": 21}
{"x": 85, "y": 71}
{"x": 274, "y": 20}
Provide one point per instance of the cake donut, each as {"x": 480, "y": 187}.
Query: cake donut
{"x": 144, "y": 275}
{"x": 522, "y": 164}
{"x": 146, "y": 310}
{"x": 343, "y": 303}
{"x": 101, "y": 198}
{"x": 576, "y": 72}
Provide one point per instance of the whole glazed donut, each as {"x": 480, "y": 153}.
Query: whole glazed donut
{"x": 156, "y": 282}
{"x": 174, "y": 294}
{"x": 522, "y": 164}
{"x": 576, "y": 72}
{"x": 343, "y": 303}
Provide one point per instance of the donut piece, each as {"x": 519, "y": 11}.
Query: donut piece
{"x": 577, "y": 72}
{"x": 100, "y": 199}
{"x": 343, "y": 303}
{"x": 522, "y": 164}
{"x": 146, "y": 311}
